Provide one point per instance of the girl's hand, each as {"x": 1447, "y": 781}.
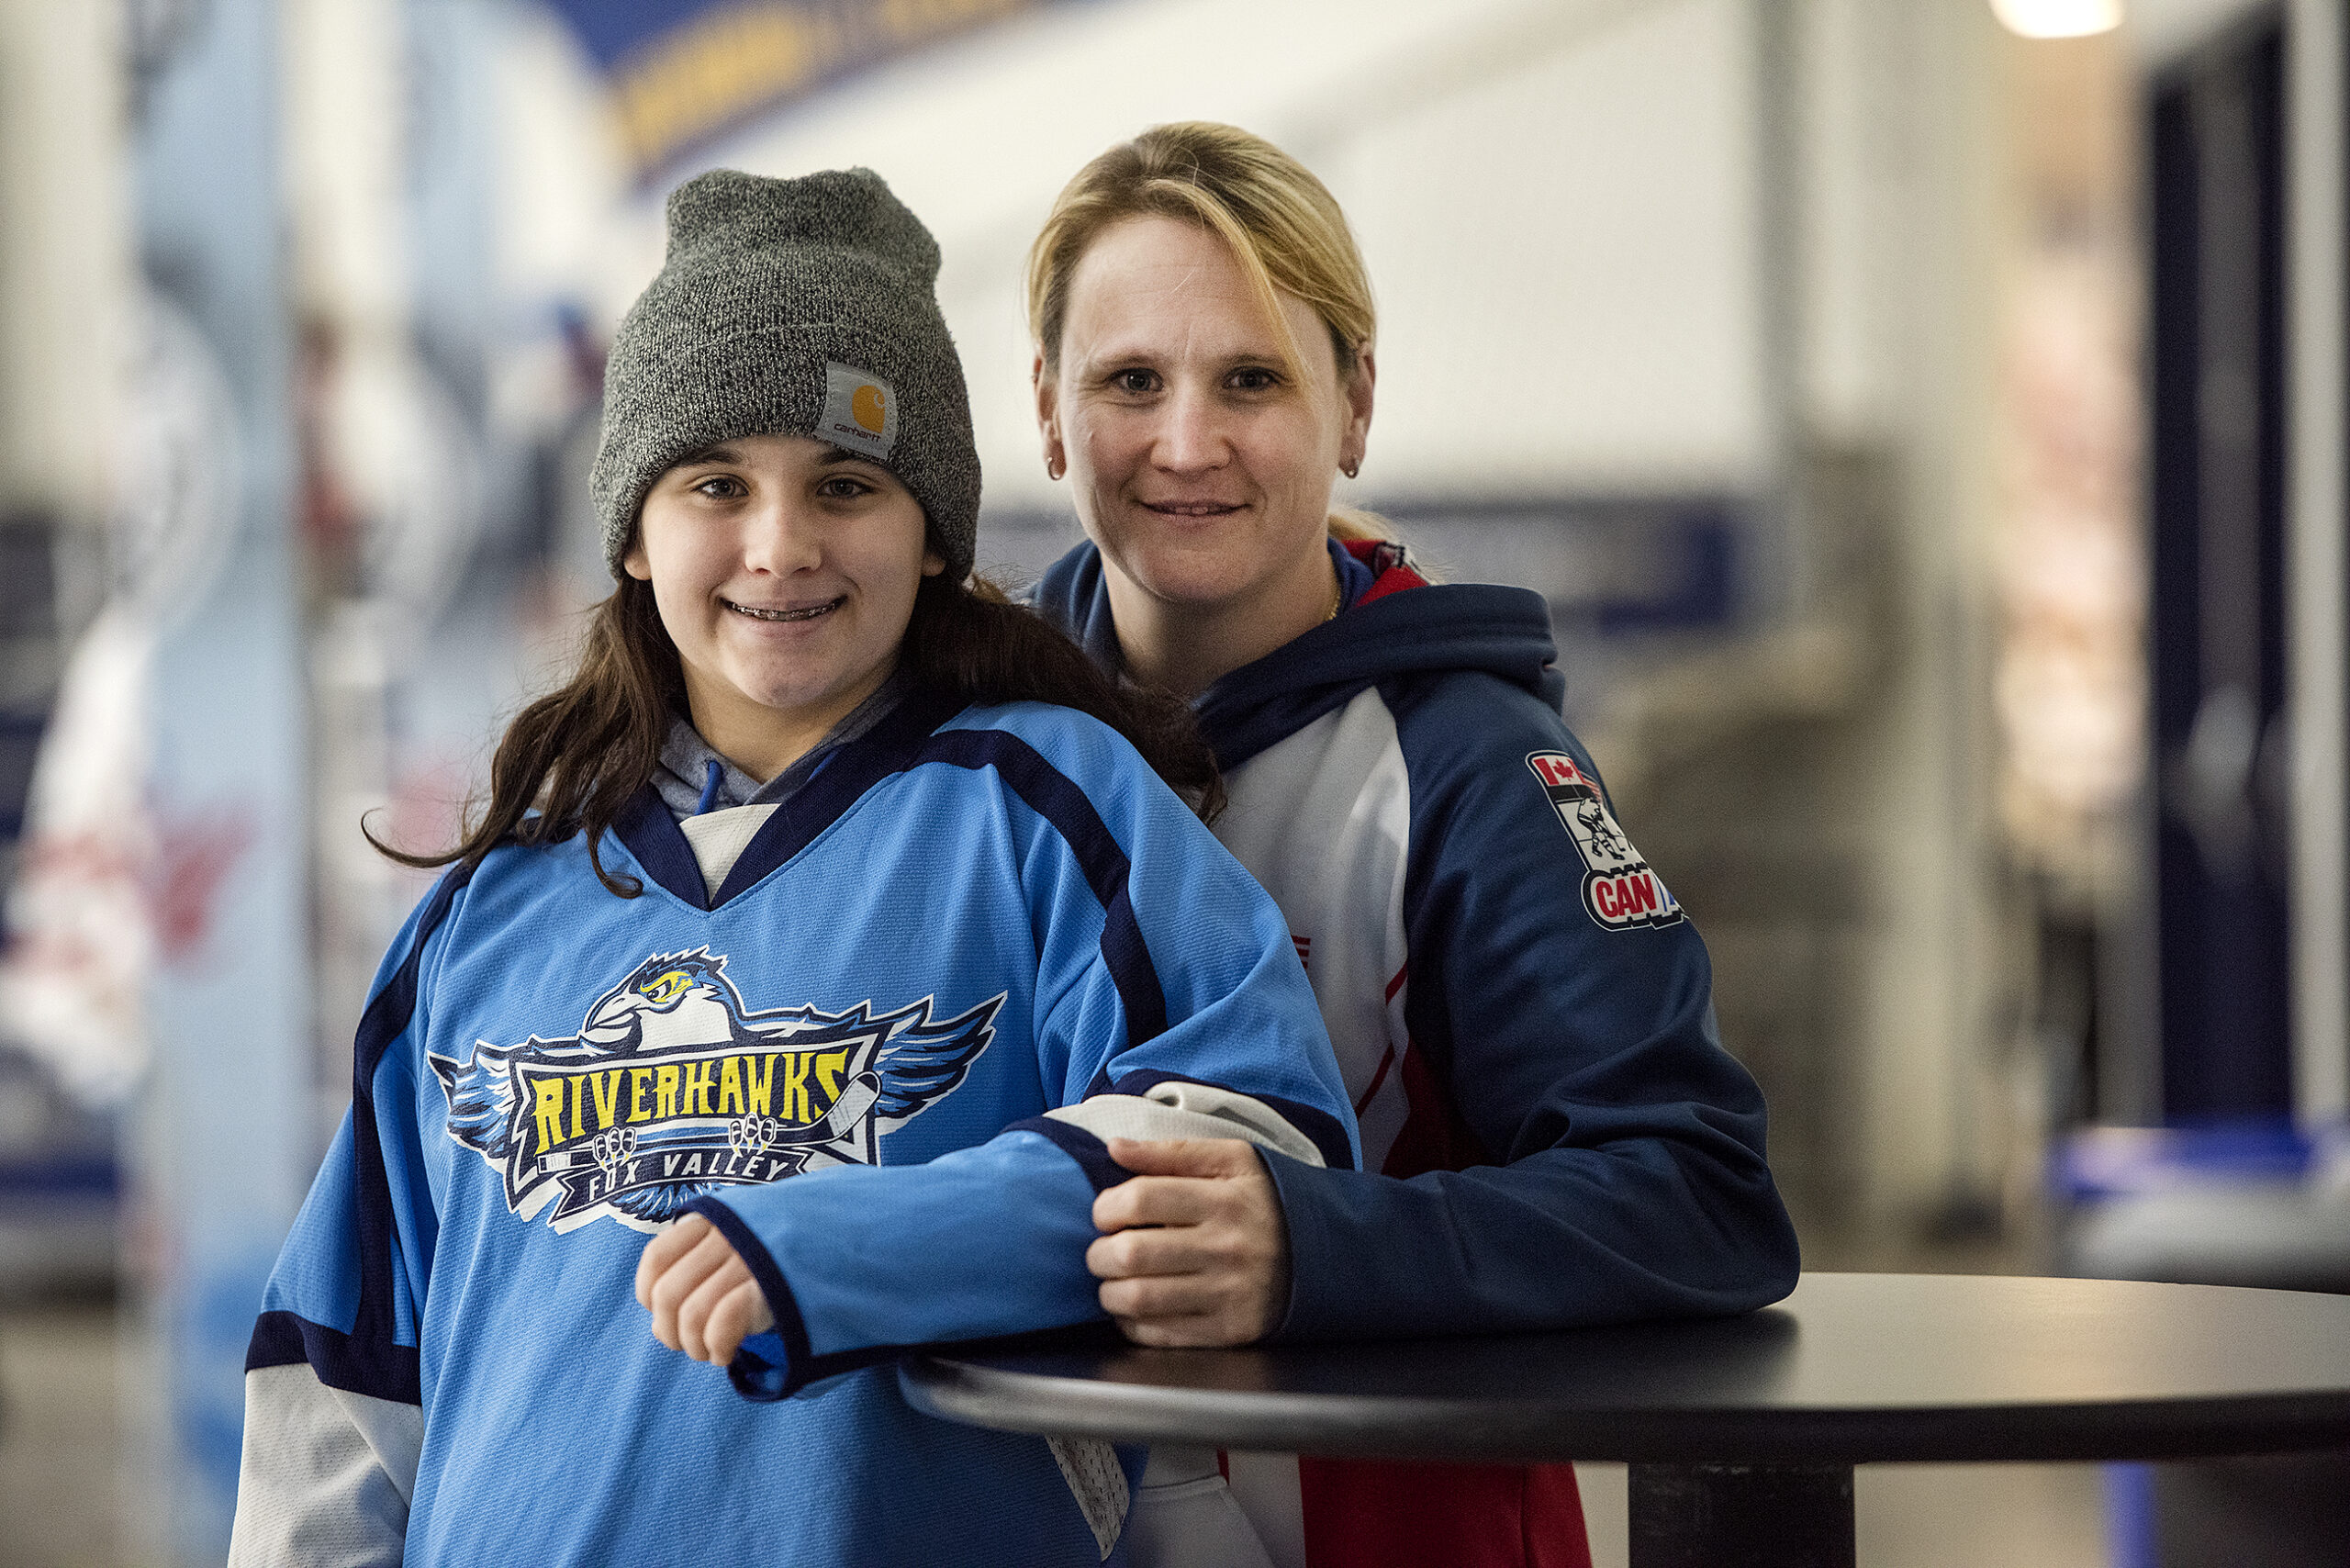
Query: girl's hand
{"x": 1193, "y": 1248}
{"x": 700, "y": 1291}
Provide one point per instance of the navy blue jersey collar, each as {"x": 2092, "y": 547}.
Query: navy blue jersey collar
{"x": 659, "y": 845}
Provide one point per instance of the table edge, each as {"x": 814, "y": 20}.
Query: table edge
{"x": 1362, "y": 1426}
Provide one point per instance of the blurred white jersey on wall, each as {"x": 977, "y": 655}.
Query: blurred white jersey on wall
{"x": 79, "y": 919}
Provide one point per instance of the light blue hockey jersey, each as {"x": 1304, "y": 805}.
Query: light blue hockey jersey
{"x": 882, "y": 1053}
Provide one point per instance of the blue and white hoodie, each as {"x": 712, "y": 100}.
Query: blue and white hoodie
{"x": 1552, "y": 1134}
{"x": 877, "y": 1033}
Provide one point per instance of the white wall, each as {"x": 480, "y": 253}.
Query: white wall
{"x": 66, "y": 268}
{"x": 1906, "y": 202}
{"x": 1554, "y": 200}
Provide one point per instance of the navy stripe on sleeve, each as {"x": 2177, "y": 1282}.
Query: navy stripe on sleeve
{"x": 1092, "y": 1156}
{"x": 1329, "y": 1134}
{"x": 341, "y": 1360}
{"x": 369, "y": 1360}
{"x": 1051, "y": 794}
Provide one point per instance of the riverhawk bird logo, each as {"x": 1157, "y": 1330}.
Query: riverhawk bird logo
{"x": 672, "y": 1088}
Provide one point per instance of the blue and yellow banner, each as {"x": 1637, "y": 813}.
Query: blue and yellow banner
{"x": 682, "y": 71}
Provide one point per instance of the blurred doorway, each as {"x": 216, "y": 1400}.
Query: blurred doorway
{"x": 2219, "y": 493}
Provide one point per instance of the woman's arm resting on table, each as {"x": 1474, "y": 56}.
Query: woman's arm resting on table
{"x": 1618, "y": 1169}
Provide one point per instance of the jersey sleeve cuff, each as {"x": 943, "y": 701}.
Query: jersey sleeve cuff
{"x": 777, "y": 1363}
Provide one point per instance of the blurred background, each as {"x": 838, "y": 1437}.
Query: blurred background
{"x": 1930, "y": 435}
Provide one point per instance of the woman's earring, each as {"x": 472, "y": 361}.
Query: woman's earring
{"x": 1351, "y": 466}
{"x": 1052, "y": 468}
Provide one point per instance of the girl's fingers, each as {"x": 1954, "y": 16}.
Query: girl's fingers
{"x": 674, "y": 1285}
{"x": 664, "y": 1249}
{"x": 739, "y": 1314}
{"x": 703, "y": 1300}
{"x": 699, "y": 1315}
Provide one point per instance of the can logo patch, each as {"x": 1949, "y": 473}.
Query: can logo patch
{"x": 860, "y": 411}
{"x": 1620, "y": 889}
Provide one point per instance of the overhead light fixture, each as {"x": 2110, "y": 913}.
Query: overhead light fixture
{"x": 2058, "y": 18}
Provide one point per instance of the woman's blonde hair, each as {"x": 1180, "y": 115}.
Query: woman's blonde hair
{"x": 1283, "y": 226}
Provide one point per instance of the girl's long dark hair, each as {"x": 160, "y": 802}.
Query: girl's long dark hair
{"x": 578, "y": 754}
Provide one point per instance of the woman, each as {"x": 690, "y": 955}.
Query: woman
{"x": 1552, "y": 1134}
{"x": 796, "y": 915}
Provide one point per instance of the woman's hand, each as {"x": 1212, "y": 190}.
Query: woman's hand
{"x": 1193, "y": 1248}
{"x": 700, "y": 1291}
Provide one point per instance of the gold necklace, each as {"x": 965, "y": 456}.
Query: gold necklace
{"x": 1336, "y": 594}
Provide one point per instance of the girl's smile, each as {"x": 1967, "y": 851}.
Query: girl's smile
{"x": 784, "y": 612}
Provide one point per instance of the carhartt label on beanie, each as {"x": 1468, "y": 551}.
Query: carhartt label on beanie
{"x": 860, "y": 412}
{"x": 801, "y": 307}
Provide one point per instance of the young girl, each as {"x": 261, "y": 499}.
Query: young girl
{"x": 795, "y": 914}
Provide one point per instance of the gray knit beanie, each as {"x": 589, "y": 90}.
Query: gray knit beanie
{"x": 791, "y": 307}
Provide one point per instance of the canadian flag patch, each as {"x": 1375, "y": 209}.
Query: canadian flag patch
{"x": 1620, "y": 890}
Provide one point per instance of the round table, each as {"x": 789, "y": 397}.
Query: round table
{"x": 1741, "y": 1432}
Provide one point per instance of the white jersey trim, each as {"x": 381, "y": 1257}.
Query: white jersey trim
{"x": 327, "y": 1475}
{"x": 718, "y": 839}
{"x": 1172, "y": 1109}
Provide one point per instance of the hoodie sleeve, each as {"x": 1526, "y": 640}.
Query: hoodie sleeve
{"x": 1169, "y": 1002}
{"x": 1582, "y": 1149}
